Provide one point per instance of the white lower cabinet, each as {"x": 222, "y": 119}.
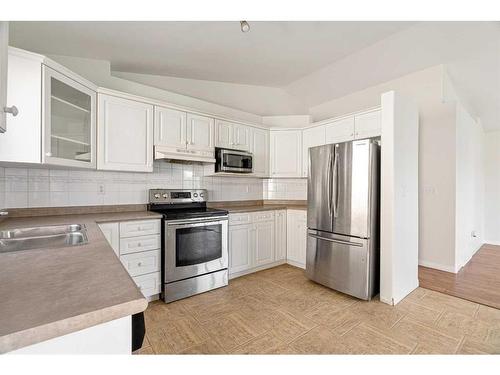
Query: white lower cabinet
{"x": 138, "y": 244}
{"x": 296, "y": 233}
{"x": 252, "y": 244}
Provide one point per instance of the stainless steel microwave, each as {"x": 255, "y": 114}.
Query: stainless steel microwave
{"x": 234, "y": 161}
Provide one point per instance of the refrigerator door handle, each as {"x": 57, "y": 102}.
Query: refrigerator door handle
{"x": 336, "y": 241}
{"x": 329, "y": 183}
{"x": 335, "y": 197}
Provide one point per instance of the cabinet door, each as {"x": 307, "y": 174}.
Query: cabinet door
{"x": 4, "y": 60}
{"x": 280, "y": 234}
{"x": 286, "y": 153}
{"x": 125, "y": 135}
{"x": 22, "y": 142}
{"x": 340, "y": 131}
{"x": 296, "y": 237}
{"x": 241, "y": 137}
{"x": 224, "y": 134}
{"x": 200, "y": 133}
{"x": 264, "y": 243}
{"x": 310, "y": 138}
{"x": 68, "y": 121}
{"x": 111, "y": 232}
{"x": 260, "y": 150}
{"x": 170, "y": 128}
{"x": 368, "y": 125}
{"x": 240, "y": 252}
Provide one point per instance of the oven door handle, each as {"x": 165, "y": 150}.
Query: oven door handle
{"x": 197, "y": 222}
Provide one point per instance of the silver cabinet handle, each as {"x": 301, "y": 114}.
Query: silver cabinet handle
{"x": 12, "y": 110}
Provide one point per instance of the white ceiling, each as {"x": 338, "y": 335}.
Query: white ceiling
{"x": 271, "y": 54}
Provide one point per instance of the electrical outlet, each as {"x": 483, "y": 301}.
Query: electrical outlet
{"x": 101, "y": 189}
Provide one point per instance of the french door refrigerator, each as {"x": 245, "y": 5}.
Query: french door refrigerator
{"x": 343, "y": 217}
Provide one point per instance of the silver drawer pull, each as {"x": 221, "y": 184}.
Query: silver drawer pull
{"x": 139, "y": 264}
{"x": 337, "y": 241}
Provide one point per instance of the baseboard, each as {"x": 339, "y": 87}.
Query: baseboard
{"x": 296, "y": 264}
{"x": 495, "y": 243}
{"x": 256, "y": 269}
{"x": 438, "y": 266}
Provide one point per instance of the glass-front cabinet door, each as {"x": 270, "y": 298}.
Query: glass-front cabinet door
{"x": 69, "y": 121}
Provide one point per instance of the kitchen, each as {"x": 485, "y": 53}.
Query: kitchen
{"x": 154, "y": 221}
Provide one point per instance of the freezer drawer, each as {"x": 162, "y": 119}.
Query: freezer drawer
{"x": 346, "y": 264}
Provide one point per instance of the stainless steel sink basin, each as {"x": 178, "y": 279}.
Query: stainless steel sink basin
{"x": 41, "y": 231}
{"x": 42, "y": 237}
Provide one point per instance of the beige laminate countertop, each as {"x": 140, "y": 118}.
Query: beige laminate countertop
{"x": 46, "y": 293}
{"x": 239, "y": 207}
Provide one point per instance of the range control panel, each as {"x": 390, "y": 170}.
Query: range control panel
{"x": 177, "y": 195}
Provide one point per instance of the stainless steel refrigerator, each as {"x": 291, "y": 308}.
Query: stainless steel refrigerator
{"x": 343, "y": 217}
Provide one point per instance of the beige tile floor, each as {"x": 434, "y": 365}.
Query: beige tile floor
{"x": 279, "y": 311}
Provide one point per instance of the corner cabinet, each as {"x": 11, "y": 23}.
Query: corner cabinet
{"x": 259, "y": 147}
{"x": 286, "y": 153}
{"x": 124, "y": 134}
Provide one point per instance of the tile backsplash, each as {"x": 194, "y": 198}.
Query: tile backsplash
{"x": 41, "y": 187}
{"x": 285, "y": 188}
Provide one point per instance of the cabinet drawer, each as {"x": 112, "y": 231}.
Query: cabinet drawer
{"x": 235, "y": 219}
{"x": 139, "y": 228}
{"x": 148, "y": 284}
{"x": 142, "y": 263}
{"x": 137, "y": 244}
{"x": 262, "y": 216}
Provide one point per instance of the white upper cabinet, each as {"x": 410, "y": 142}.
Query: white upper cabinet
{"x": 124, "y": 134}
{"x": 169, "y": 128}
{"x": 310, "y": 138}
{"x": 4, "y": 61}
{"x": 340, "y": 130}
{"x": 68, "y": 120}
{"x": 200, "y": 133}
{"x": 56, "y": 121}
{"x": 286, "y": 153}
{"x": 368, "y": 125}
{"x": 231, "y": 135}
{"x": 259, "y": 147}
{"x": 22, "y": 142}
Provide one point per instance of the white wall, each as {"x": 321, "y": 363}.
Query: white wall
{"x": 492, "y": 188}
{"x": 469, "y": 187}
{"x": 261, "y": 100}
{"x": 99, "y": 72}
{"x": 41, "y": 187}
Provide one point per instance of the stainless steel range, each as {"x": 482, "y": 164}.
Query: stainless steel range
{"x": 194, "y": 242}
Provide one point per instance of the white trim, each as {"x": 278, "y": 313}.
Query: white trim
{"x": 341, "y": 117}
{"x": 437, "y": 266}
{"x": 494, "y": 243}
{"x": 255, "y": 269}
{"x": 292, "y": 262}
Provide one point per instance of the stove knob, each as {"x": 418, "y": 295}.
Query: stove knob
{"x": 165, "y": 195}
{"x": 201, "y": 195}
{"x": 157, "y": 196}
{"x": 195, "y": 195}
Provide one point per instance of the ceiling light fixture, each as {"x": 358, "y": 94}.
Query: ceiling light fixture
{"x": 245, "y": 27}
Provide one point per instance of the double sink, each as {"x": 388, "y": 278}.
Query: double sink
{"x": 52, "y": 236}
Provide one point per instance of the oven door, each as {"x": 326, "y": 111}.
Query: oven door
{"x": 195, "y": 247}
{"x": 236, "y": 161}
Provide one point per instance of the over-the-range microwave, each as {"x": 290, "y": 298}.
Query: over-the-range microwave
{"x": 233, "y": 161}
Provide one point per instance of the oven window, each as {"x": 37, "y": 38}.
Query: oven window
{"x": 198, "y": 245}
{"x": 237, "y": 161}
